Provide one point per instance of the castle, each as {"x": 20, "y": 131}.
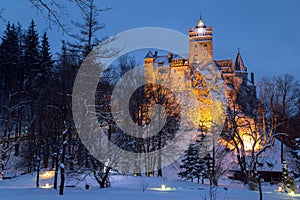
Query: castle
{"x": 240, "y": 89}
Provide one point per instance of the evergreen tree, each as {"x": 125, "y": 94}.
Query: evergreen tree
{"x": 193, "y": 166}
{"x": 38, "y": 65}
{"x": 32, "y": 59}
{"x": 288, "y": 182}
{"x": 47, "y": 62}
{"x": 21, "y": 65}
{"x": 9, "y": 59}
{"x": 8, "y": 79}
{"x": 10, "y": 87}
{"x": 296, "y": 155}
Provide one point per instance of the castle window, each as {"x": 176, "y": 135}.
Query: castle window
{"x": 160, "y": 64}
{"x": 162, "y": 71}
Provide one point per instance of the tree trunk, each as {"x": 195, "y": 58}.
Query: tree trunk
{"x": 159, "y": 167}
{"x": 214, "y": 180}
{"x": 260, "y": 189}
{"x": 104, "y": 179}
{"x": 2, "y": 164}
{"x": 55, "y": 161}
{"x": 62, "y": 181}
{"x": 56, "y": 172}
{"x": 281, "y": 149}
{"x": 38, "y": 175}
{"x": 62, "y": 166}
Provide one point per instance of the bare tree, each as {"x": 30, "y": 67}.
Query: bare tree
{"x": 248, "y": 138}
{"x": 279, "y": 96}
{"x": 56, "y": 13}
{"x": 6, "y": 146}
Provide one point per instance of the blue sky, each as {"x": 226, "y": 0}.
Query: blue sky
{"x": 267, "y": 31}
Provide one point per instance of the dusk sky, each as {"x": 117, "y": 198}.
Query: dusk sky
{"x": 267, "y": 31}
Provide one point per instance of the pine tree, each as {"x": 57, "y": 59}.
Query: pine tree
{"x": 34, "y": 85}
{"x": 8, "y": 66}
{"x": 296, "y": 155}
{"x": 9, "y": 60}
{"x": 21, "y": 65}
{"x": 193, "y": 166}
{"x": 32, "y": 53}
{"x": 10, "y": 86}
{"x": 9, "y": 80}
{"x": 287, "y": 180}
{"x": 47, "y": 62}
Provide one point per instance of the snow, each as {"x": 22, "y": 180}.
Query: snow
{"x": 127, "y": 187}
{"x": 271, "y": 158}
{"x": 64, "y": 132}
{"x": 273, "y": 154}
{"x": 131, "y": 187}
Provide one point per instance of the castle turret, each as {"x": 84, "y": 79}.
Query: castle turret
{"x": 200, "y": 39}
{"x": 239, "y": 64}
{"x": 240, "y": 68}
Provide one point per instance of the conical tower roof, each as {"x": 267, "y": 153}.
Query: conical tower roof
{"x": 239, "y": 64}
{"x": 200, "y": 23}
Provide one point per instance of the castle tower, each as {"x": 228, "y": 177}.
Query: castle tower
{"x": 240, "y": 68}
{"x": 200, "y": 43}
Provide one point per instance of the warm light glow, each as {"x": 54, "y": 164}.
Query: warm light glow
{"x": 292, "y": 193}
{"x": 163, "y": 188}
{"x": 47, "y": 174}
{"x": 200, "y": 30}
{"x": 248, "y": 142}
{"x": 46, "y": 186}
{"x": 280, "y": 189}
{"x": 250, "y": 139}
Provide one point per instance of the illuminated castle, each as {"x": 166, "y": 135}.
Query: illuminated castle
{"x": 234, "y": 74}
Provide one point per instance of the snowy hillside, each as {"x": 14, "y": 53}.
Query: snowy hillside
{"x": 130, "y": 187}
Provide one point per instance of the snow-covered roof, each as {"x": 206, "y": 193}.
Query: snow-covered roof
{"x": 270, "y": 160}
{"x": 160, "y": 61}
{"x": 149, "y": 54}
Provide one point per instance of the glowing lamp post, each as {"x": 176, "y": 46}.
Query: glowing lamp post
{"x": 164, "y": 188}
{"x": 292, "y": 193}
{"x": 46, "y": 186}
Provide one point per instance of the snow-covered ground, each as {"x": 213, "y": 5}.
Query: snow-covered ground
{"x": 127, "y": 187}
{"x": 130, "y": 188}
